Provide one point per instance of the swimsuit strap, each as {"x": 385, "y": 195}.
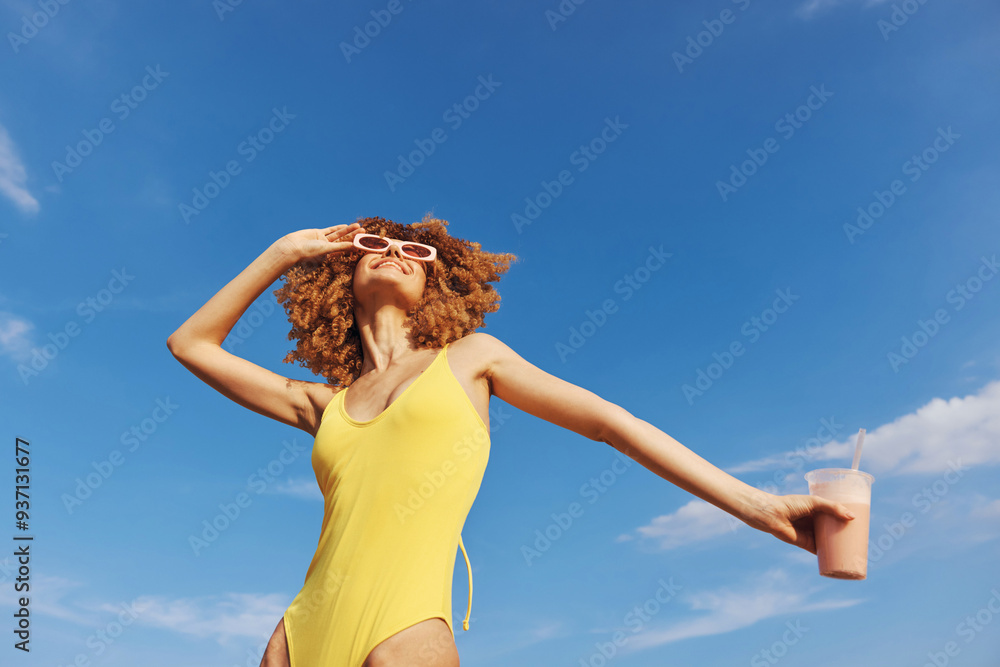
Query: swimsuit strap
{"x": 468, "y": 566}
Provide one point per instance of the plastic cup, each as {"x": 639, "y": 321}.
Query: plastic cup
{"x": 842, "y": 545}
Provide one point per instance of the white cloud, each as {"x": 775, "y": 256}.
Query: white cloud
{"x": 49, "y": 592}
{"x": 548, "y": 630}
{"x": 773, "y": 593}
{"x": 694, "y": 522}
{"x": 216, "y": 617}
{"x": 14, "y": 339}
{"x": 768, "y": 462}
{"x": 13, "y": 175}
{"x": 964, "y": 431}
{"x": 810, "y": 9}
{"x": 986, "y": 509}
{"x": 529, "y": 632}
{"x": 300, "y": 487}
{"x": 941, "y": 431}
{"x": 801, "y": 557}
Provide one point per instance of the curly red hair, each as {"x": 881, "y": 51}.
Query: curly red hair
{"x": 318, "y": 297}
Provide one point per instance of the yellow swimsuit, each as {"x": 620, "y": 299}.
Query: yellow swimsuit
{"x": 396, "y": 490}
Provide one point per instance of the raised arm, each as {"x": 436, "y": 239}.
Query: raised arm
{"x": 528, "y": 388}
{"x": 197, "y": 343}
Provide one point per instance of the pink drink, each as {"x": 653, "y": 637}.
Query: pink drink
{"x": 842, "y": 546}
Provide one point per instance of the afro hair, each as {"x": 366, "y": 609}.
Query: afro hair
{"x": 318, "y": 297}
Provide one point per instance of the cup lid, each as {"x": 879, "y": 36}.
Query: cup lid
{"x": 834, "y": 472}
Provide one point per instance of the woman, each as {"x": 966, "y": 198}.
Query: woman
{"x": 375, "y": 307}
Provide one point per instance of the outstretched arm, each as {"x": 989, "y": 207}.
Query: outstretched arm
{"x": 528, "y": 388}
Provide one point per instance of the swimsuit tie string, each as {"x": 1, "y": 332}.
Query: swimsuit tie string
{"x": 468, "y": 566}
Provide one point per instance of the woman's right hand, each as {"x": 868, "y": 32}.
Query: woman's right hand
{"x": 309, "y": 243}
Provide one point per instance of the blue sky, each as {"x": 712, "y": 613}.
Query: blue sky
{"x": 744, "y": 153}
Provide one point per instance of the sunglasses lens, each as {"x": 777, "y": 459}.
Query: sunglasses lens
{"x": 373, "y": 243}
{"x": 416, "y": 251}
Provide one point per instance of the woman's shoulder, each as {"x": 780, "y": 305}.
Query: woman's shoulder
{"x": 477, "y": 344}
{"x": 474, "y": 353}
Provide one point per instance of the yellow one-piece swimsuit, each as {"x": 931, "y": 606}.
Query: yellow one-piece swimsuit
{"x": 397, "y": 490}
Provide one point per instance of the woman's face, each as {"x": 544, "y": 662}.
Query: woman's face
{"x": 388, "y": 277}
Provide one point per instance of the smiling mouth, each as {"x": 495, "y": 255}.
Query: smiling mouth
{"x": 390, "y": 262}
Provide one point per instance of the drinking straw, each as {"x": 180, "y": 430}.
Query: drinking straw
{"x": 857, "y": 449}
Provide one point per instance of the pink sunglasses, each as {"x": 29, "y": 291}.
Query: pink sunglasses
{"x": 409, "y": 249}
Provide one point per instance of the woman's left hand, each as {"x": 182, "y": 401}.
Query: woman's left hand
{"x": 790, "y": 518}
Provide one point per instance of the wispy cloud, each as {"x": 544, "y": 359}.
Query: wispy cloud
{"x": 548, "y": 631}
{"x": 300, "y": 487}
{"x": 217, "y": 617}
{"x": 986, "y": 509}
{"x": 221, "y": 618}
{"x": 529, "y": 632}
{"x": 810, "y": 9}
{"x": 767, "y": 463}
{"x": 941, "y": 431}
{"x": 49, "y": 593}
{"x": 960, "y": 430}
{"x": 15, "y": 341}
{"x": 772, "y": 593}
{"x": 13, "y": 176}
{"x": 694, "y": 522}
